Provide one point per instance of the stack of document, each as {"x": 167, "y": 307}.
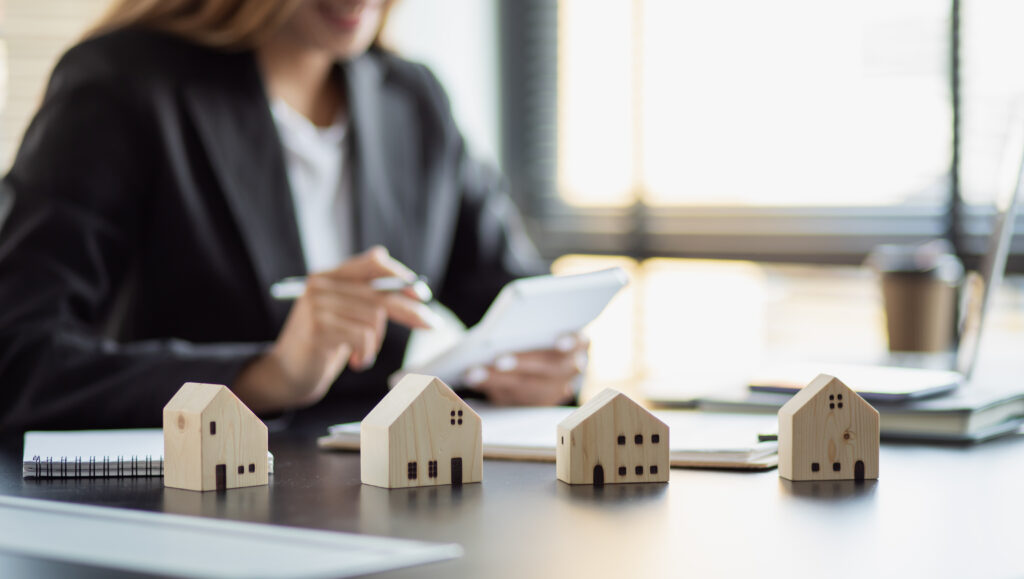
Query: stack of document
{"x": 695, "y": 439}
{"x": 970, "y": 414}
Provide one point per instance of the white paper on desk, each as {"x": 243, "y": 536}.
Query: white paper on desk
{"x": 180, "y": 546}
{"x": 530, "y": 432}
{"x": 140, "y": 442}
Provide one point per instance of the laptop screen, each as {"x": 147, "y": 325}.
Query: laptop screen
{"x": 981, "y": 286}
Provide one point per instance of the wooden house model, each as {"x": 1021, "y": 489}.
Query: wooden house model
{"x": 612, "y": 439}
{"x": 828, "y": 432}
{"x": 421, "y": 434}
{"x": 212, "y": 441}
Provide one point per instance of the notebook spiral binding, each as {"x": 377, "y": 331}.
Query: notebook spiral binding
{"x": 62, "y": 467}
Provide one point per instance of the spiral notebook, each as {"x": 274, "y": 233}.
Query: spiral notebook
{"x": 96, "y": 453}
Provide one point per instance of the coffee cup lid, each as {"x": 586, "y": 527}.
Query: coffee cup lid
{"x": 934, "y": 257}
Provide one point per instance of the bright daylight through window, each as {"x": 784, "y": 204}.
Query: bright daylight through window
{"x": 745, "y": 102}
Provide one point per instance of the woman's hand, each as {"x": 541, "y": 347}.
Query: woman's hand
{"x": 537, "y": 378}
{"x": 340, "y": 320}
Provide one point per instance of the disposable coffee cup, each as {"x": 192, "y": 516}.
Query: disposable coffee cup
{"x": 920, "y": 289}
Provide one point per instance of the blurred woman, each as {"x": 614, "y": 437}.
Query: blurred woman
{"x": 190, "y": 153}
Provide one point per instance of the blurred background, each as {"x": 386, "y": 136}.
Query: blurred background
{"x": 739, "y": 157}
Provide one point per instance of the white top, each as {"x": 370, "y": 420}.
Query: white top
{"x": 321, "y": 187}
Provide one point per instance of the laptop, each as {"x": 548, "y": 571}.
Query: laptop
{"x": 890, "y": 383}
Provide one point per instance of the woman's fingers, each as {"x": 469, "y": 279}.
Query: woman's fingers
{"x": 334, "y": 330}
{"x": 340, "y": 319}
{"x": 509, "y": 388}
{"x": 372, "y": 263}
{"x": 398, "y": 306}
{"x": 550, "y": 363}
{"x": 538, "y": 377}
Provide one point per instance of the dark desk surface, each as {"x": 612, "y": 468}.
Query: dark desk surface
{"x": 936, "y": 511}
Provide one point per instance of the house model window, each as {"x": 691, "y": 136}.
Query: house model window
{"x": 454, "y": 421}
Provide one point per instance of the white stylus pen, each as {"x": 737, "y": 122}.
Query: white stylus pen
{"x": 291, "y": 288}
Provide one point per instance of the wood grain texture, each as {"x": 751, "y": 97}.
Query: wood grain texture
{"x": 612, "y": 432}
{"x": 825, "y": 430}
{"x": 193, "y": 450}
{"x": 423, "y": 422}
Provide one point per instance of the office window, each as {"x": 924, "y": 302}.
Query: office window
{"x": 432, "y": 469}
{"x": 993, "y": 91}
{"x": 33, "y": 35}
{"x": 992, "y": 97}
{"x": 742, "y": 127}
{"x": 726, "y": 102}
{"x": 412, "y": 471}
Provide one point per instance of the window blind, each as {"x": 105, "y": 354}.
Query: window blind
{"x": 33, "y": 35}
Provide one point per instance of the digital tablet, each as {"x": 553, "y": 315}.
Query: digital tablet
{"x": 528, "y": 314}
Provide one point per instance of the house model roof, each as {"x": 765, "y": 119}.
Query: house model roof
{"x": 408, "y": 389}
{"x": 807, "y": 393}
{"x": 195, "y": 397}
{"x": 598, "y": 402}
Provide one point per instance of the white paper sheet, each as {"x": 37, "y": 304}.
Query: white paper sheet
{"x": 694, "y": 437}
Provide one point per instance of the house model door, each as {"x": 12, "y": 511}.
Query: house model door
{"x": 457, "y": 471}
{"x": 221, "y": 474}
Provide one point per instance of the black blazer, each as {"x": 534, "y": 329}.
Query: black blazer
{"x": 152, "y": 212}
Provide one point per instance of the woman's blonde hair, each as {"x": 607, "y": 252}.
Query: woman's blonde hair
{"x": 227, "y": 24}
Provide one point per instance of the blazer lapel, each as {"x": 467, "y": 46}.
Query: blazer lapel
{"x": 234, "y": 123}
{"x": 379, "y": 212}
